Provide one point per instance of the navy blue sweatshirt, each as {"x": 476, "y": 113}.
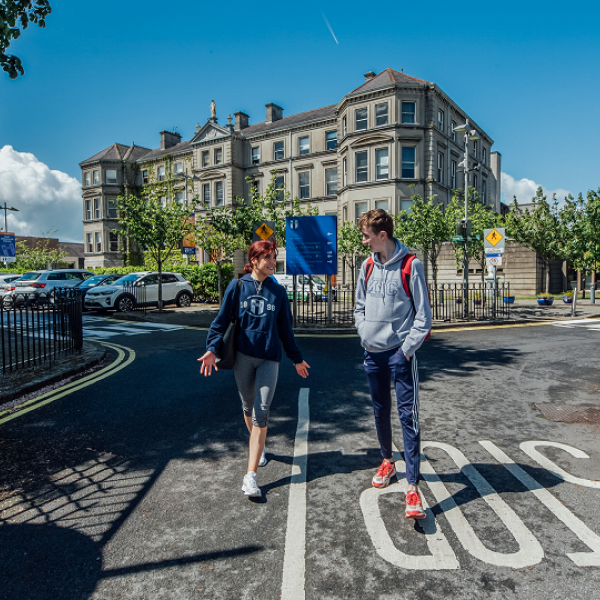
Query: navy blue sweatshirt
{"x": 265, "y": 318}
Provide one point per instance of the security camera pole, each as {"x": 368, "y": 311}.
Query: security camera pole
{"x": 470, "y": 134}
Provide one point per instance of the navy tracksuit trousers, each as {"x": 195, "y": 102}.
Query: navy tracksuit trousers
{"x": 380, "y": 366}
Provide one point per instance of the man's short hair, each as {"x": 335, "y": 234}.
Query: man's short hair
{"x": 378, "y": 220}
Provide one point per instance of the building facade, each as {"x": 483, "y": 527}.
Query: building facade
{"x": 390, "y": 138}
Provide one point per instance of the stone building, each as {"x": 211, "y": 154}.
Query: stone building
{"x": 388, "y": 139}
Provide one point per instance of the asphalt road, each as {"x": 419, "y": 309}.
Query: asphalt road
{"x": 130, "y": 487}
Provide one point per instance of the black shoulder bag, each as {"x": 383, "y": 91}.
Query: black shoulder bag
{"x": 228, "y": 349}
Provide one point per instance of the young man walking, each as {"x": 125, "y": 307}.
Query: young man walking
{"x": 393, "y": 318}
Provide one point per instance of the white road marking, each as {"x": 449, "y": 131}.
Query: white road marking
{"x": 578, "y": 323}
{"x": 294, "y": 567}
{"x": 588, "y": 537}
{"x": 442, "y": 555}
{"x": 530, "y": 551}
{"x": 110, "y": 329}
{"x": 530, "y": 448}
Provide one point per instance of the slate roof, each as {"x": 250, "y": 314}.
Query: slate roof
{"x": 117, "y": 152}
{"x": 73, "y": 249}
{"x": 158, "y": 152}
{"x": 385, "y": 78}
{"x": 304, "y": 117}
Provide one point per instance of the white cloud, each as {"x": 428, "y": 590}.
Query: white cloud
{"x": 49, "y": 202}
{"x": 525, "y": 190}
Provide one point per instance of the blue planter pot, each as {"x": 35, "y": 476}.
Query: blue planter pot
{"x": 509, "y": 299}
{"x": 545, "y": 301}
{"x": 476, "y": 302}
{"x": 458, "y": 300}
{"x": 568, "y": 299}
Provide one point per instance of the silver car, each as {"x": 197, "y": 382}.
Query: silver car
{"x": 39, "y": 285}
{"x": 6, "y": 282}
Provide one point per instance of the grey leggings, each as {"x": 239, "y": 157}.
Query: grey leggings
{"x": 256, "y": 379}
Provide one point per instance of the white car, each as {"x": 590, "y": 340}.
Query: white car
{"x": 140, "y": 289}
{"x": 317, "y": 288}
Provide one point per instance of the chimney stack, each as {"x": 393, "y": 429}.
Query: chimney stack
{"x": 369, "y": 75}
{"x": 274, "y": 112}
{"x": 168, "y": 139}
{"x": 241, "y": 120}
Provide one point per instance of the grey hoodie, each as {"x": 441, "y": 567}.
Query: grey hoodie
{"x": 384, "y": 314}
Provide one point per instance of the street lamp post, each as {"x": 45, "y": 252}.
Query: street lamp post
{"x": 6, "y": 208}
{"x": 470, "y": 134}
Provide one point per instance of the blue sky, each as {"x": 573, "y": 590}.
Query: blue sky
{"x": 104, "y": 71}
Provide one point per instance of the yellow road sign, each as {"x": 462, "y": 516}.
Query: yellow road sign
{"x": 264, "y": 231}
{"x": 494, "y": 237}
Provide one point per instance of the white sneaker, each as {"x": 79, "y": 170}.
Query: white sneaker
{"x": 250, "y": 488}
{"x": 263, "y": 458}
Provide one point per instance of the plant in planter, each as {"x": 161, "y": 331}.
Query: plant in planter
{"x": 545, "y": 299}
{"x": 477, "y": 298}
{"x": 567, "y": 297}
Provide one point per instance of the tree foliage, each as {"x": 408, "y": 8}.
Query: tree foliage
{"x": 39, "y": 257}
{"x": 155, "y": 220}
{"x": 540, "y": 229}
{"x": 350, "y": 247}
{"x": 426, "y": 227}
{"x": 14, "y": 16}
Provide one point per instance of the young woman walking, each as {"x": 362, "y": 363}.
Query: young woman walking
{"x": 264, "y": 323}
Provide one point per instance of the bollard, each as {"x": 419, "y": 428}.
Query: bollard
{"x": 573, "y": 306}
{"x": 592, "y": 293}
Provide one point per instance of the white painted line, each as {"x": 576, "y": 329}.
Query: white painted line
{"x": 442, "y": 556}
{"x": 530, "y": 551}
{"x": 575, "y": 322}
{"x": 294, "y": 567}
{"x": 530, "y": 448}
{"x": 576, "y": 525}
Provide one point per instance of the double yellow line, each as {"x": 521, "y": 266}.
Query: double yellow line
{"x": 125, "y": 356}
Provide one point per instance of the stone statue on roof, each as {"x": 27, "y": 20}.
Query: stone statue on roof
{"x": 213, "y": 109}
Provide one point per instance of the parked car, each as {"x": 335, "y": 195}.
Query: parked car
{"x": 37, "y": 286}
{"x": 124, "y": 294}
{"x": 5, "y": 280}
{"x": 317, "y": 288}
{"x": 95, "y": 281}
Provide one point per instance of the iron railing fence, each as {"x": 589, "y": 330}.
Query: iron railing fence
{"x": 37, "y": 328}
{"x": 447, "y": 304}
{"x": 481, "y": 303}
{"x": 136, "y": 292}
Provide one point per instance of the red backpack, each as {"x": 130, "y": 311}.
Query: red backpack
{"x": 406, "y": 267}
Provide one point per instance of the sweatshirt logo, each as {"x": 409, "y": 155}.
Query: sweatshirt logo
{"x": 258, "y": 306}
{"x": 377, "y": 286}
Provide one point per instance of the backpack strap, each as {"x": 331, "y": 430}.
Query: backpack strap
{"x": 369, "y": 268}
{"x": 406, "y": 268}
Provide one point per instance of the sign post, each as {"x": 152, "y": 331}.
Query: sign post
{"x": 494, "y": 243}
{"x": 8, "y": 248}
{"x": 311, "y": 249}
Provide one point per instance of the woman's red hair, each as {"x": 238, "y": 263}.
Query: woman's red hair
{"x": 258, "y": 249}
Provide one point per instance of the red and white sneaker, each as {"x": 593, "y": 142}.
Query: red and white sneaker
{"x": 385, "y": 472}
{"x": 414, "y": 507}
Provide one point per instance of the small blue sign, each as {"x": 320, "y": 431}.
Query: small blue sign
{"x": 7, "y": 247}
{"x": 311, "y": 245}
{"x": 188, "y": 251}
{"x": 496, "y": 254}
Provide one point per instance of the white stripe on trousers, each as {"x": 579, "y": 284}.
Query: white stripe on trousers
{"x": 415, "y": 374}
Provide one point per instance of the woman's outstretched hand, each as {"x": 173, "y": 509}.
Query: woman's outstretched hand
{"x": 302, "y": 369}
{"x": 208, "y": 360}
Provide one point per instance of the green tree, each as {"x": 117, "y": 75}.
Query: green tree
{"x": 581, "y": 224}
{"x": 351, "y": 248}
{"x": 14, "y": 16}
{"x": 481, "y": 218}
{"x": 426, "y": 227}
{"x": 39, "y": 257}
{"x": 155, "y": 220}
{"x": 540, "y": 229}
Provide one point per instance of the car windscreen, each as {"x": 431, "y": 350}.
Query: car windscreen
{"x": 113, "y": 280}
{"x": 95, "y": 280}
{"x": 130, "y": 277}
{"x": 318, "y": 280}
{"x": 30, "y": 276}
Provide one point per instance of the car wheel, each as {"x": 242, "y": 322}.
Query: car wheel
{"x": 125, "y": 303}
{"x": 184, "y": 300}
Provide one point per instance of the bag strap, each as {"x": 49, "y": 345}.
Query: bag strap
{"x": 406, "y": 268}
{"x": 236, "y": 298}
{"x": 369, "y": 268}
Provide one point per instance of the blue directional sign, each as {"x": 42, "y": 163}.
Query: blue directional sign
{"x": 7, "y": 247}
{"x": 311, "y": 245}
